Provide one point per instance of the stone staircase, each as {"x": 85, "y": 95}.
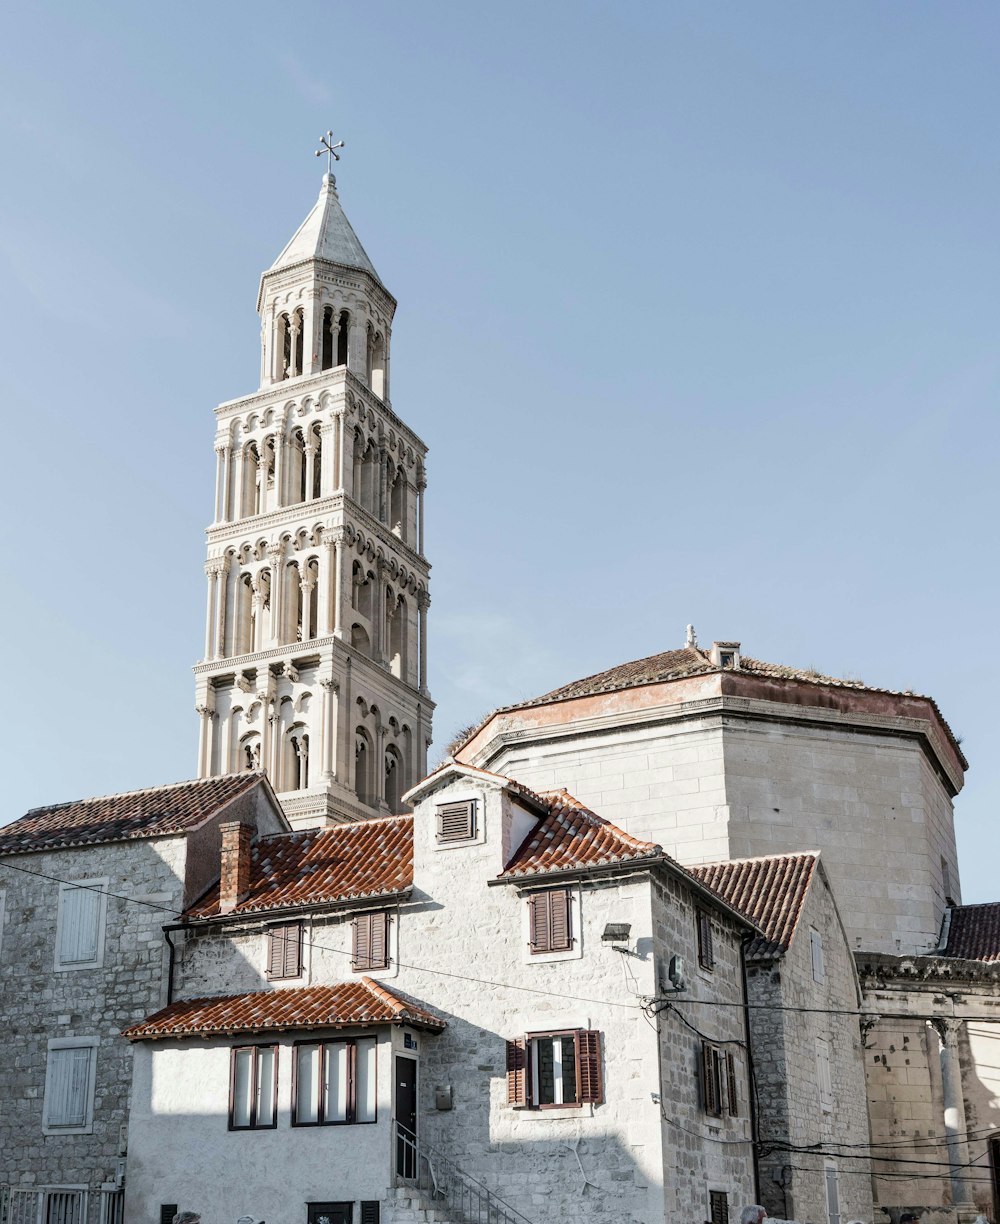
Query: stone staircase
{"x": 408, "y": 1205}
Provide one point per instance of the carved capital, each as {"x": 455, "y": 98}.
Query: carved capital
{"x": 290, "y": 672}
{"x": 215, "y": 566}
{"x": 276, "y": 553}
{"x": 205, "y": 711}
{"x": 330, "y": 684}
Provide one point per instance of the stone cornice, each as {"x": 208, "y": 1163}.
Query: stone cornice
{"x": 879, "y": 970}
{"x": 744, "y": 707}
{"x": 337, "y": 380}
{"x": 343, "y": 275}
{"x": 304, "y": 514}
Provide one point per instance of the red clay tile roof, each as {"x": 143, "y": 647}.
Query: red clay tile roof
{"x": 178, "y": 808}
{"x": 570, "y": 837}
{"x": 315, "y": 866}
{"x": 306, "y": 1007}
{"x": 769, "y": 891}
{"x": 974, "y": 932}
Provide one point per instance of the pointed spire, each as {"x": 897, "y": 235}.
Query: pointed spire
{"x": 326, "y": 234}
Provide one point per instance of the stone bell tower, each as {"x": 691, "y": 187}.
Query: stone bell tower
{"x": 315, "y": 664}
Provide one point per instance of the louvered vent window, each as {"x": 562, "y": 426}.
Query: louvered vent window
{"x": 555, "y": 1070}
{"x": 284, "y": 951}
{"x": 370, "y": 1211}
{"x": 456, "y": 821}
{"x": 370, "y": 941}
{"x": 706, "y": 953}
{"x": 167, "y": 1213}
{"x": 549, "y": 921}
{"x": 711, "y": 1079}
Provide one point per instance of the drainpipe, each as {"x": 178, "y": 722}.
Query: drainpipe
{"x": 171, "y": 926}
{"x": 751, "y": 1074}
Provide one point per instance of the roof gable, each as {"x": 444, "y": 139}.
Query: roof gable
{"x": 369, "y": 858}
{"x": 159, "y": 810}
{"x": 770, "y": 891}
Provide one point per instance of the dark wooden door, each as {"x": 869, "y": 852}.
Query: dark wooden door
{"x": 405, "y": 1111}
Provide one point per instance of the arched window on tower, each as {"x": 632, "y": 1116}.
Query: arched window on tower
{"x": 360, "y": 640}
{"x": 248, "y": 485}
{"x": 243, "y": 641}
{"x": 296, "y": 763}
{"x": 327, "y": 354}
{"x": 398, "y": 626}
{"x": 292, "y": 628}
{"x": 316, "y": 438}
{"x": 295, "y": 453}
{"x": 369, "y": 479}
{"x": 363, "y": 779}
{"x": 376, "y": 374}
{"x": 249, "y": 753}
{"x": 395, "y": 784}
{"x": 284, "y": 346}
{"x": 342, "y": 334}
{"x": 369, "y": 352}
{"x": 397, "y": 504}
{"x": 312, "y": 590}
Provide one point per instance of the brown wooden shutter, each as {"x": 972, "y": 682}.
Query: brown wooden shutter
{"x": 560, "y": 935}
{"x": 456, "y": 821}
{"x": 378, "y": 948}
{"x": 710, "y": 1079}
{"x": 706, "y": 954}
{"x": 538, "y": 922}
{"x": 588, "y": 1066}
{"x": 734, "y": 1102}
{"x": 361, "y": 941}
{"x": 718, "y": 1206}
{"x": 275, "y": 945}
{"x": 517, "y": 1072}
{"x": 284, "y": 951}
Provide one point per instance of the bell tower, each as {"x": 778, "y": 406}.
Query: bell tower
{"x": 315, "y": 664}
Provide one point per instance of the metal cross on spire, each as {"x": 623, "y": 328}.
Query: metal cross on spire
{"x": 330, "y": 149}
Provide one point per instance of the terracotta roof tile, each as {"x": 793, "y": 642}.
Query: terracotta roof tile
{"x": 315, "y": 866}
{"x": 571, "y": 836}
{"x": 974, "y": 932}
{"x": 305, "y": 1007}
{"x": 145, "y": 813}
{"x": 769, "y": 891}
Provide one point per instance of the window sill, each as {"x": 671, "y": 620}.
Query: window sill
{"x": 68, "y": 1130}
{"x": 554, "y": 1113}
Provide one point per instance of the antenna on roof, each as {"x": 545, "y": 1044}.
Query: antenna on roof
{"x": 692, "y": 639}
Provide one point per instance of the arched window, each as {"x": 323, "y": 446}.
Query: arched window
{"x": 316, "y": 438}
{"x": 296, "y": 763}
{"x": 397, "y": 504}
{"x": 369, "y": 479}
{"x": 376, "y": 377}
{"x": 398, "y": 630}
{"x": 295, "y": 468}
{"x": 360, "y": 640}
{"x": 284, "y": 345}
{"x": 312, "y": 593}
{"x": 326, "y": 361}
{"x": 395, "y": 784}
{"x": 298, "y": 338}
{"x": 291, "y": 630}
{"x": 342, "y": 334}
{"x": 363, "y": 780}
{"x": 249, "y": 753}
{"x": 369, "y": 352}
{"x": 249, "y": 491}
{"x": 264, "y": 603}
{"x": 244, "y": 629}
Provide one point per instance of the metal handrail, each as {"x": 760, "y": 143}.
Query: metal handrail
{"x": 420, "y": 1164}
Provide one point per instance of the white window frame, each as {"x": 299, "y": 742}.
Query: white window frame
{"x": 100, "y": 887}
{"x": 824, "y": 1075}
{"x": 816, "y": 952}
{"x": 71, "y": 1043}
{"x": 574, "y": 951}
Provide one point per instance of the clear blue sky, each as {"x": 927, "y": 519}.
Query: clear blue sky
{"x": 698, "y": 315}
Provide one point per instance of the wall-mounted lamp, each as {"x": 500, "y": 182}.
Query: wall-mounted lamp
{"x": 616, "y": 932}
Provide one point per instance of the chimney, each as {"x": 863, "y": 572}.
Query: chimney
{"x": 725, "y": 654}
{"x": 234, "y": 878}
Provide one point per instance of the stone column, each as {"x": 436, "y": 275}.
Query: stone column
{"x": 312, "y": 348}
{"x": 955, "y": 1126}
{"x": 279, "y": 466}
{"x": 213, "y": 568}
{"x": 310, "y": 466}
{"x": 238, "y": 469}
{"x": 276, "y": 558}
{"x": 262, "y": 481}
{"x": 421, "y": 485}
{"x": 357, "y": 347}
{"x": 345, "y": 721}
{"x": 221, "y": 604}
{"x": 307, "y": 583}
{"x": 294, "y": 331}
{"x": 328, "y": 458}
{"x": 341, "y": 449}
{"x": 339, "y": 563}
{"x": 265, "y": 738}
{"x": 220, "y": 450}
{"x": 329, "y": 686}
{"x": 206, "y": 714}
{"x": 383, "y": 481}
{"x": 423, "y": 603}
{"x": 379, "y": 764}
{"x": 227, "y": 483}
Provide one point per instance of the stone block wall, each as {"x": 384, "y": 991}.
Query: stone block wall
{"x": 39, "y": 1002}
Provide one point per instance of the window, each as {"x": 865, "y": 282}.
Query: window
{"x": 555, "y": 1070}
{"x": 734, "y": 1100}
{"x": 69, "y": 1086}
{"x": 334, "y": 1082}
{"x": 80, "y": 924}
{"x": 832, "y": 1194}
{"x": 371, "y": 1212}
{"x": 718, "y": 1207}
{"x": 284, "y": 951}
{"x": 726, "y": 658}
{"x": 549, "y": 926}
{"x": 456, "y": 821}
{"x": 823, "y": 1077}
{"x": 946, "y": 880}
{"x": 816, "y": 949}
{"x": 711, "y": 1079}
{"x": 706, "y": 955}
{"x": 253, "y": 1082}
{"x": 167, "y": 1212}
{"x": 330, "y": 1213}
{"x": 370, "y": 941}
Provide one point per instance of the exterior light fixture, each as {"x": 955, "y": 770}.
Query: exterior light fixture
{"x": 616, "y": 932}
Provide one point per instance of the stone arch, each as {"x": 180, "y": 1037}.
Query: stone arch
{"x": 364, "y": 786}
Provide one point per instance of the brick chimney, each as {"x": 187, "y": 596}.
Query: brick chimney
{"x": 234, "y": 879}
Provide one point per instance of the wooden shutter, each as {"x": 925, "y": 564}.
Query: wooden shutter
{"x": 68, "y": 1087}
{"x": 538, "y": 922}
{"x": 734, "y": 1101}
{"x": 588, "y": 1066}
{"x": 706, "y": 955}
{"x": 167, "y": 1212}
{"x": 370, "y": 941}
{"x": 456, "y": 821}
{"x": 517, "y": 1072}
{"x": 80, "y": 925}
{"x": 560, "y": 936}
{"x": 710, "y": 1079}
{"x": 718, "y": 1203}
{"x": 370, "y": 1211}
{"x": 284, "y": 951}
